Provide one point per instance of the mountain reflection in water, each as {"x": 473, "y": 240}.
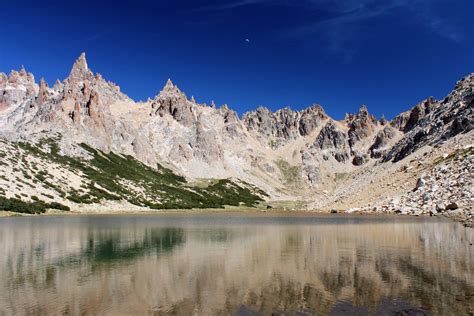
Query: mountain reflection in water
{"x": 235, "y": 264}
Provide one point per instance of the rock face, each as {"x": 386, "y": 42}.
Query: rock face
{"x": 200, "y": 141}
{"x": 381, "y": 143}
{"x": 333, "y": 140}
{"x": 408, "y": 120}
{"x": 173, "y": 102}
{"x": 18, "y": 92}
{"x": 311, "y": 118}
{"x": 361, "y": 125}
{"x": 359, "y": 158}
{"x": 283, "y": 125}
{"x": 16, "y": 88}
{"x": 277, "y": 128}
{"x": 432, "y": 122}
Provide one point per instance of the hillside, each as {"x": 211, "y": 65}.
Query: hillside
{"x": 84, "y": 142}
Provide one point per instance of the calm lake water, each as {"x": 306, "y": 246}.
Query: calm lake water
{"x": 235, "y": 264}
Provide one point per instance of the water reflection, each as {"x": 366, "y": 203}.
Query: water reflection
{"x": 109, "y": 247}
{"x": 234, "y": 265}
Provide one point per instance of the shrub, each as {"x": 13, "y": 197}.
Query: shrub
{"x": 35, "y": 207}
{"x": 17, "y": 205}
{"x": 58, "y": 206}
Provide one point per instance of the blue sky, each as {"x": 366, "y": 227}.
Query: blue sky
{"x": 386, "y": 54}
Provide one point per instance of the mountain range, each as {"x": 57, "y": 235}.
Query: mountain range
{"x": 85, "y": 144}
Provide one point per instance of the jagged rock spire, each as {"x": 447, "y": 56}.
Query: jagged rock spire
{"x": 81, "y": 62}
{"x": 170, "y": 87}
{"x": 315, "y": 107}
{"x": 363, "y": 109}
{"x": 80, "y": 69}
{"x": 171, "y": 90}
{"x": 57, "y": 85}
{"x": 172, "y": 101}
{"x": 13, "y": 76}
{"x": 360, "y": 125}
{"x": 169, "y": 83}
{"x": 43, "y": 91}
{"x": 3, "y": 78}
{"x": 311, "y": 118}
{"x": 43, "y": 84}
{"x": 23, "y": 71}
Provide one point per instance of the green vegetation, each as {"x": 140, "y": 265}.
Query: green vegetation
{"x": 272, "y": 143}
{"x": 291, "y": 174}
{"x": 35, "y": 207}
{"x": 111, "y": 176}
{"x": 2, "y": 157}
{"x": 48, "y": 196}
{"x": 57, "y": 206}
{"x": 341, "y": 176}
{"x": 459, "y": 153}
{"x": 108, "y": 248}
{"x": 41, "y": 176}
{"x": 288, "y": 205}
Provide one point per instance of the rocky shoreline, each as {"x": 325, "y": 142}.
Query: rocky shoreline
{"x": 465, "y": 218}
{"x": 446, "y": 190}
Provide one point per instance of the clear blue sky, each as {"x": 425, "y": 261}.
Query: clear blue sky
{"x": 387, "y": 54}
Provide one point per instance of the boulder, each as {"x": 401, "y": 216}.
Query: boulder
{"x": 420, "y": 183}
{"x": 451, "y": 206}
{"x": 359, "y": 158}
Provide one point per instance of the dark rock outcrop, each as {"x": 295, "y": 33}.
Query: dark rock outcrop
{"x": 361, "y": 125}
{"x": 406, "y": 121}
{"x": 284, "y": 124}
{"x": 331, "y": 137}
{"x": 231, "y": 121}
{"x": 381, "y": 142}
{"x": 432, "y": 122}
{"x": 173, "y": 102}
{"x": 334, "y": 140}
{"x": 310, "y": 119}
{"x": 359, "y": 158}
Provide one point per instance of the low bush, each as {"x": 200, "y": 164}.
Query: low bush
{"x": 35, "y": 207}
{"x": 17, "y": 205}
{"x": 58, "y": 206}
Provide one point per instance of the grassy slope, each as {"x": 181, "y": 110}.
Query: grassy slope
{"x": 110, "y": 176}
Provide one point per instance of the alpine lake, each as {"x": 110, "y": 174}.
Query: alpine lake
{"x": 233, "y": 263}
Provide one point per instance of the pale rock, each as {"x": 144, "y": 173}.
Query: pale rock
{"x": 204, "y": 142}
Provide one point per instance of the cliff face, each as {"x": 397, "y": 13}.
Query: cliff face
{"x": 289, "y": 154}
{"x": 433, "y": 122}
{"x": 284, "y": 125}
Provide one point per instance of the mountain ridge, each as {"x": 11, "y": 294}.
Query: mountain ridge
{"x": 290, "y": 155}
